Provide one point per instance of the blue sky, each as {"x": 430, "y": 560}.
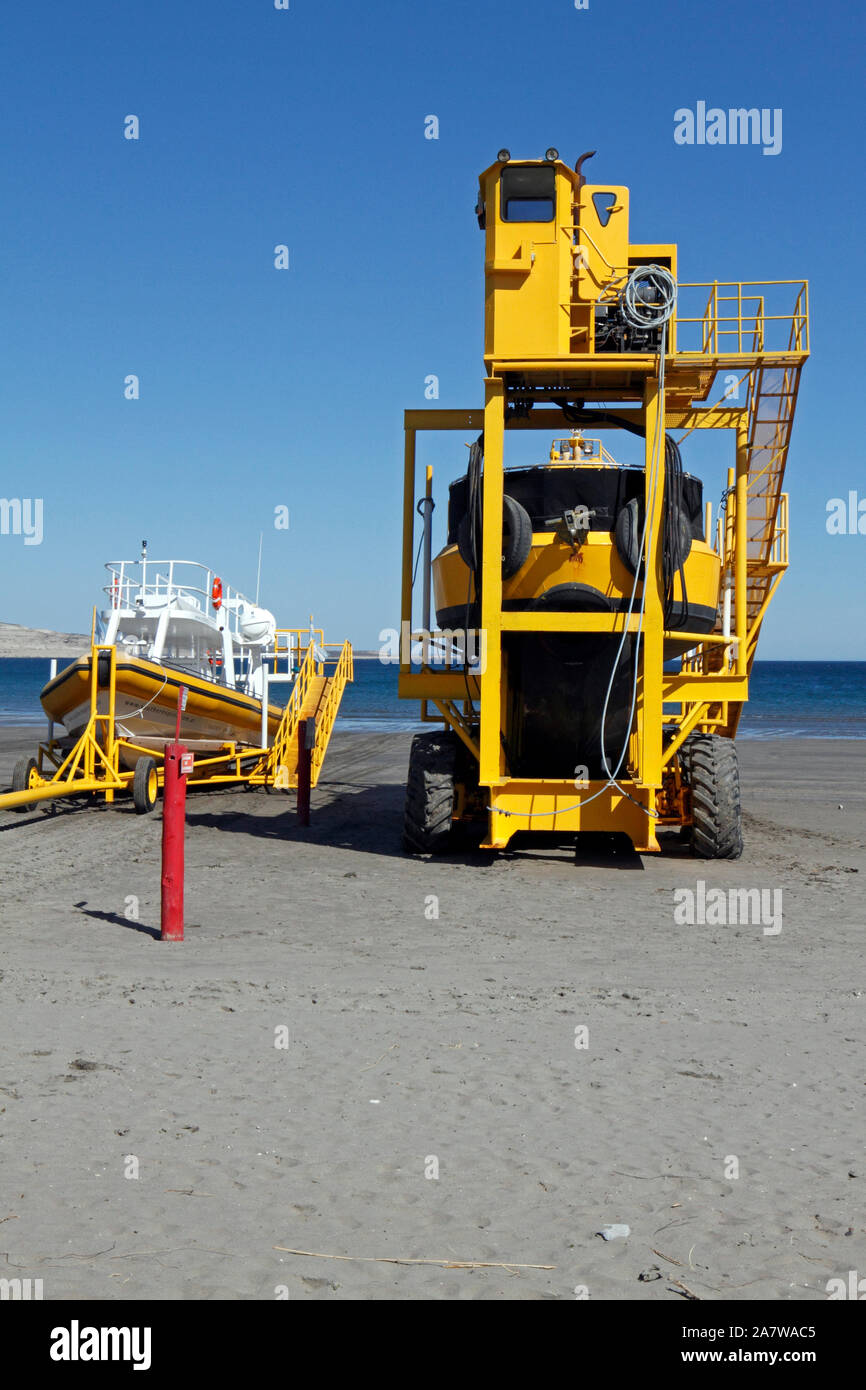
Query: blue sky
{"x": 261, "y": 388}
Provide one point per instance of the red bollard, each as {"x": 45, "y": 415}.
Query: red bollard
{"x": 306, "y": 739}
{"x": 173, "y": 827}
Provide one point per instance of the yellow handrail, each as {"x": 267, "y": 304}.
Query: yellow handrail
{"x": 280, "y": 754}
{"x": 327, "y": 716}
{"x": 736, "y": 310}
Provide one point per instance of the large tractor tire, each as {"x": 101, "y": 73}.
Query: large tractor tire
{"x": 430, "y": 787}
{"x": 714, "y": 777}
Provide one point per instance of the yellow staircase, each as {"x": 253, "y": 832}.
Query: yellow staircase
{"x": 772, "y": 401}
{"x": 315, "y": 695}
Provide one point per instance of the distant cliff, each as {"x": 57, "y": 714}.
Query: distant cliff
{"x": 40, "y": 642}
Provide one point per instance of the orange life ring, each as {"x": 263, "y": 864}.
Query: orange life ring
{"x": 216, "y": 593}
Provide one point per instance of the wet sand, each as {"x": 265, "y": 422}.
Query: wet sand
{"x": 712, "y": 1050}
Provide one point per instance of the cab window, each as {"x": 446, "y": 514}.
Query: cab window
{"x": 528, "y": 193}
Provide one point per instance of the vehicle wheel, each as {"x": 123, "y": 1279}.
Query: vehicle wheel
{"x": 145, "y": 786}
{"x": 24, "y": 775}
{"x": 711, "y": 766}
{"x": 427, "y": 824}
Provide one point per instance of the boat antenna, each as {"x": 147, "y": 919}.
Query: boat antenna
{"x": 259, "y": 573}
{"x": 144, "y": 550}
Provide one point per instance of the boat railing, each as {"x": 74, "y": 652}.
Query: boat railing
{"x": 132, "y": 581}
{"x": 577, "y": 449}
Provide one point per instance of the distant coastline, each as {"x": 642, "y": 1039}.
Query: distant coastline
{"x": 34, "y": 643}
{"x": 37, "y": 642}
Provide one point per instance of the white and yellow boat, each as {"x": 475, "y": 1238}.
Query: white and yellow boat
{"x": 174, "y": 625}
{"x": 177, "y": 652}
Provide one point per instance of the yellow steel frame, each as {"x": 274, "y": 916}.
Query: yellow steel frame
{"x": 712, "y": 684}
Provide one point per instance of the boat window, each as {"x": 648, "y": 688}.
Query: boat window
{"x": 528, "y": 193}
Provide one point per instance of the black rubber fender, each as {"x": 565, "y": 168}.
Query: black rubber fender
{"x": 627, "y": 536}
{"x": 572, "y": 598}
{"x": 628, "y": 533}
{"x": 103, "y": 670}
{"x": 516, "y": 539}
{"x": 685, "y": 536}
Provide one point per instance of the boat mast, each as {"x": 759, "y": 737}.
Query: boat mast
{"x": 259, "y": 571}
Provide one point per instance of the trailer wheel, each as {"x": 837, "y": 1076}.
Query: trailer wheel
{"x": 24, "y": 774}
{"x": 145, "y": 786}
{"x": 427, "y": 824}
{"x": 712, "y": 769}
{"x": 23, "y": 777}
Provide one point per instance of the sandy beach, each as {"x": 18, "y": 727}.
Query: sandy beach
{"x": 158, "y": 1144}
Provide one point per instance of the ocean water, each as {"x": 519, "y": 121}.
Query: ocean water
{"x": 369, "y": 703}
{"x": 789, "y": 699}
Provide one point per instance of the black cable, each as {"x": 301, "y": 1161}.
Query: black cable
{"x": 473, "y": 511}
{"x": 417, "y": 558}
{"x": 673, "y": 559}
{"x": 580, "y": 415}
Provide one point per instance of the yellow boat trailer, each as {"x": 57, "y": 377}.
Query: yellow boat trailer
{"x": 101, "y": 763}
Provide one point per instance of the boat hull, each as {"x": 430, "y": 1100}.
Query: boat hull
{"x": 595, "y": 564}
{"x": 145, "y": 711}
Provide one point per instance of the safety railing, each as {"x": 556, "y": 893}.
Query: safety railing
{"x": 172, "y": 581}
{"x": 577, "y": 449}
{"x": 282, "y": 752}
{"x": 344, "y": 672}
{"x": 779, "y": 545}
{"x": 292, "y": 642}
{"x": 742, "y": 316}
